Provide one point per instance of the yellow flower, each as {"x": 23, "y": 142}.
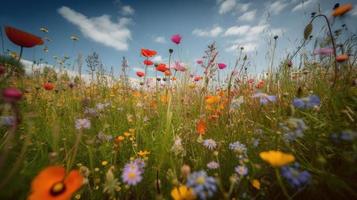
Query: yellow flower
{"x": 104, "y": 163}
{"x": 277, "y": 158}
{"x": 119, "y": 139}
{"x": 143, "y": 154}
{"x": 182, "y": 193}
{"x": 127, "y": 134}
{"x": 256, "y": 184}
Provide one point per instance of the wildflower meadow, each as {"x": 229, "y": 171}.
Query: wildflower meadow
{"x": 174, "y": 129}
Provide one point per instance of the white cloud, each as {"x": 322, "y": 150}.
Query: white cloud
{"x": 248, "y": 47}
{"x": 157, "y": 59}
{"x": 227, "y": 6}
{"x": 237, "y": 30}
{"x": 302, "y": 5}
{"x": 100, "y": 29}
{"x": 278, "y": 6}
{"x": 127, "y": 10}
{"x": 160, "y": 40}
{"x": 248, "y": 16}
{"x": 214, "y": 32}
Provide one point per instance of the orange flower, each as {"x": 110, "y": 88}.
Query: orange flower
{"x": 167, "y": 73}
{"x": 342, "y": 58}
{"x": 341, "y": 10}
{"x": 48, "y": 86}
{"x": 53, "y": 184}
{"x": 197, "y": 78}
{"x": 148, "y": 52}
{"x": 161, "y": 67}
{"x": 201, "y": 127}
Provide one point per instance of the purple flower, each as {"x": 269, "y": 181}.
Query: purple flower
{"x": 306, "y": 102}
{"x": 210, "y": 144}
{"x": 264, "y": 98}
{"x": 202, "y": 184}
{"x": 132, "y": 172}
{"x": 82, "y": 124}
{"x": 241, "y": 170}
{"x": 295, "y": 177}
{"x": 213, "y": 165}
{"x": 293, "y": 128}
{"x": 344, "y": 136}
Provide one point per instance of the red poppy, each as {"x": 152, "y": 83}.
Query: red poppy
{"x": 148, "y": 62}
{"x": 140, "y": 73}
{"x": 22, "y": 38}
{"x": 260, "y": 84}
{"x": 161, "y": 67}
{"x": 52, "y": 183}
{"x": 342, "y": 58}
{"x": 197, "y": 78}
{"x": 48, "y": 86}
{"x": 148, "y": 52}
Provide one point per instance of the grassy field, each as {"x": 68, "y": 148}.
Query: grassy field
{"x": 290, "y": 134}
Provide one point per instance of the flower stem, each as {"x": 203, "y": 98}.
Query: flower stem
{"x": 278, "y": 177}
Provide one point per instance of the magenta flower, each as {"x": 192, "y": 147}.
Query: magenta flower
{"x": 176, "y": 38}
{"x": 179, "y": 66}
{"x": 323, "y": 51}
{"x": 200, "y": 62}
{"x": 222, "y": 65}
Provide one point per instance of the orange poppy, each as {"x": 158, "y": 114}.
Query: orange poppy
{"x": 201, "y": 127}
{"x": 341, "y": 10}
{"x": 48, "y": 86}
{"x": 148, "y": 52}
{"x": 167, "y": 73}
{"x": 140, "y": 74}
{"x": 22, "y": 38}
{"x": 53, "y": 184}
{"x": 161, "y": 67}
{"x": 148, "y": 62}
{"x": 342, "y": 58}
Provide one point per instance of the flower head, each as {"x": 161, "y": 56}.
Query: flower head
{"x": 132, "y": 173}
{"x": 82, "y": 124}
{"x": 213, "y": 165}
{"x": 241, "y": 170}
{"x": 295, "y": 177}
{"x": 182, "y": 193}
{"x": 221, "y": 65}
{"x": 22, "y": 38}
{"x": 202, "y": 184}
{"x": 52, "y": 183}
{"x": 176, "y": 38}
{"x": 140, "y": 73}
{"x": 341, "y": 10}
{"x": 264, "y": 98}
{"x": 148, "y": 53}
{"x": 210, "y": 144}
{"x": 277, "y": 158}
{"x": 306, "y": 102}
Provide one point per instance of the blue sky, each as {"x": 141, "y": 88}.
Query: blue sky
{"x": 121, "y": 28}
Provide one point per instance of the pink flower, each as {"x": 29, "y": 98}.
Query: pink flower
{"x": 323, "y": 51}
{"x": 176, "y": 38}
{"x": 200, "y": 62}
{"x": 179, "y": 66}
{"x": 222, "y": 65}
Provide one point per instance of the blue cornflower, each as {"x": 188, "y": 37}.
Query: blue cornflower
{"x": 264, "y": 98}
{"x": 306, "y": 102}
{"x": 203, "y": 185}
{"x": 344, "y": 136}
{"x": 295, "y": 177}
